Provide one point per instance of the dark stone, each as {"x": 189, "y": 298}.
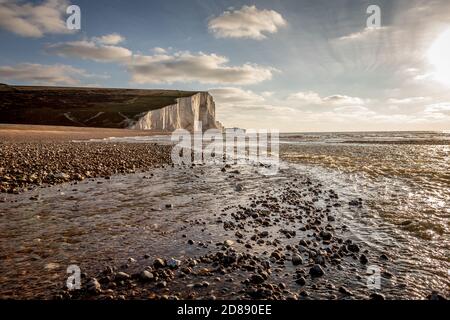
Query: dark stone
{"x": 301, "y": 281}
{"x": 436, "y": 296}
{"x": 363, "y": 259}
{"x": 377, "y": 296}
{"x": 384, "y": 257}
{"x": 316, "y": 271}
{"x": 256, "y": 279}
{"x": 325, "y": 235}
{"x": 296, "y": 260}
{"x": 276, "y": 255}
{"x": 353, "y": 247}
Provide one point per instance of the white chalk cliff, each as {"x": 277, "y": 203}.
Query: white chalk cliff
{"x": 181, "y": 115}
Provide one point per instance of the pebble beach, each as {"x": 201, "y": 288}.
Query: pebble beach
{"x": 141, "y": 228}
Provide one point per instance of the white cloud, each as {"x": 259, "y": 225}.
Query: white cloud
{"x": 159, "y": 50}
{"x": 34, "y": 20}
{"x": 338, "y": 99}
{"x": 409, "y": 100}
{"x": 438, "y": 108}
{"x": 110, "y": 39}
{"x": 354, "y": 110}
{"x": 162, "y": 66}
{"x": 91, "y": 50}
{"x": 247, "y": 22}
{"x": 42, "y": 74}
{"x": 267, "y": 94}
{"x": 308, "y": 97}
{"x": 188, "y": 67}
{"x": 367, "y": 33}
{"x": 231, "y": 95}
{"x": 313, "y": 98}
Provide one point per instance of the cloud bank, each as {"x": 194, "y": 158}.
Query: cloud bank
{"x": 43, "y": 74}
{"x": 247, "y": 22}
{"x": 163, "y": 66}
{"x": 189, "y": 67}
{"x": 97, "y": 49}
{"x": 34, "y": 20}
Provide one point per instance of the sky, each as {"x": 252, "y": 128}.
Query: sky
{"x": 291, "y": 65}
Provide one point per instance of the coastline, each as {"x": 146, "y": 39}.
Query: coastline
{"x": 130, "y": 244}
{"x": 39, "y": 156}
{"x": 48, "y": 157}
{"x": 156, "y": 231}
{"x": 37, "y": 133}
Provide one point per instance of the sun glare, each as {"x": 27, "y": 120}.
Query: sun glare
{"x": 439, "y": 57}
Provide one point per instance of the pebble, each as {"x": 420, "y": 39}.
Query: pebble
{"x": 316, "y": 271}
{"x": 93, "y": 286}
{"x": 173, "y": 263}
{"x": 121, "y": 276}
{"x": 296, "y": 260}
{"x": 228, "y": 243}
{"x": 276, "y": 255}
{"x": 256, "y": 279}
{"x": 264, "y": 234}
{"x": 353, "y": 247}
{"x": 301, "y": 281}
{"x": 325, "y": 235}
{"x": 436, "y": 296}
{"x": 146, "y": 276}
{"x": 159, "y": 263}
{"x": 377, "y": 296}
{"x": 363, "y": 259}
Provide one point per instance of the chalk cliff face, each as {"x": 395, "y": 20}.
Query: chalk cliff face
{"x": 181, "y": 115}
{"x": 158, "y": 110}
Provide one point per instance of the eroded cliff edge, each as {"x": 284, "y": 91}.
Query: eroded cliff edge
{"x": 181, "y": 115}
{"x": 158, "y": 110}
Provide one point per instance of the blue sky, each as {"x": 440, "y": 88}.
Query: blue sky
{"x": 291, "y": 65}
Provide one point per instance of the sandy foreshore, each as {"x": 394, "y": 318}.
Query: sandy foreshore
{"x": 37, "y": 133}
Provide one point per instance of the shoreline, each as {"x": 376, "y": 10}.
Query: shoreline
{"x": 237, "y": 236}
{"x": 278, "y": 244}
{"x": 40, "y": 156}
{"x": 41, "y": 133}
